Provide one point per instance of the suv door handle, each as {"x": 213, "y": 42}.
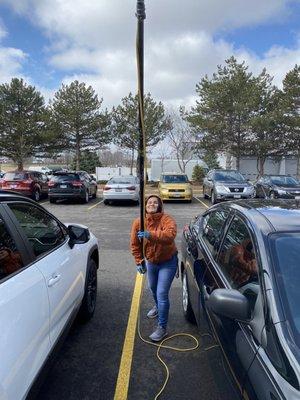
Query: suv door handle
{"x": 54, "y": 280}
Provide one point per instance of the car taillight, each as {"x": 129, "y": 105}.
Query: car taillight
{"x": 51, "y": 183}
{"x": 130, "y": 188}
{"x": 26, "y": 183}
{"x": 77, "y": 183}
{"x": 106, "y": 188}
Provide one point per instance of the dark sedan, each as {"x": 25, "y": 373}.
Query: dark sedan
{"x": 277, "y": 186}
{"x": 77, "y": 185}
{"x": 240, "y": 279}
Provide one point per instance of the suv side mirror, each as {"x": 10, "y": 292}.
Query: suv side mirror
{"x": 78, "y": 235}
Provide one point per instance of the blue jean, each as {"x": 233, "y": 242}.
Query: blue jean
{"x": 160, "y": 278}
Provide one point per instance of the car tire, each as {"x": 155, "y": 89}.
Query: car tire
{"x": 88, "y": 304}
{"x": 36, "y": 195}
{"x": 51, "y": 200}
{"x": 105, "y": 202}
{"x": 95, "y": 194}
{"x": 186, "y": 305}
{"x": 86, "y": 198}
{"x": 204, "y": 194}
{"x": 213, "y": 197}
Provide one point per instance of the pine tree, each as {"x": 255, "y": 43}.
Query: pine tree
{"x": 23, "y": 117}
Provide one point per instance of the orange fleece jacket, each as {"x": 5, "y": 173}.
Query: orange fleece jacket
{"x": 161, "y": 245}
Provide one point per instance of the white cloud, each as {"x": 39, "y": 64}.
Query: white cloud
{"x": 93, "y": 41}
{"x": 11, "y": 61}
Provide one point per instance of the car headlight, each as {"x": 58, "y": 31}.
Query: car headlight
{"x": 222, "y": 188}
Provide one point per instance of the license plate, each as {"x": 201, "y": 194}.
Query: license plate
{"x": 63, "y": 186}
{"x": 237, "y": 196}
{"x": 176, "y": 194}
{"x": 118, "y": 190}
{"x": 13, "y": 186}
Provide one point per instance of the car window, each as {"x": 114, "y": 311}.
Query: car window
{"x": 175, "y": 179}
{"x": 16, "y": 176}
{"x": 10, "y": 257}
{"x": 65, "y": 177}
{"x": 237, "y": 257}
{"x": 212, "y": 229}
{"x": 43, "y": 232}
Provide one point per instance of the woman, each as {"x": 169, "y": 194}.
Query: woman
{"x": 160, "y": 259}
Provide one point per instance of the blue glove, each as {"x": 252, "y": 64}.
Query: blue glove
{"x": 144, "y": 234}
{"x": 141, "y": 268}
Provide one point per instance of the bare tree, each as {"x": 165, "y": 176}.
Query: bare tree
{"x": 181, "y": 140}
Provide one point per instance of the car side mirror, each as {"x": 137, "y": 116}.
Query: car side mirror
{"x": 230, "y": 303}
{"x": 78, "y": 235}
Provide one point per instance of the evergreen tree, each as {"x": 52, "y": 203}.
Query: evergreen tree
{"x": 291, "y": 112}
{"x": 226, "y": 103}
{"x": 126, "y": 127}
{"x": 89, "y": 160}
{"x": 23, "y": 121}
{"x": 78, "y": 119}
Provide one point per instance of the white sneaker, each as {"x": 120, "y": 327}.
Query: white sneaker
{"x": 153, "y": 313}
{"x": 158, "y": 334}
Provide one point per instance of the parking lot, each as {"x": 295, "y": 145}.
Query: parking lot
{"x": 87, "y": 365}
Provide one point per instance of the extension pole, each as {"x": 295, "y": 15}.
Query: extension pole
{"x": 141, "y": 15}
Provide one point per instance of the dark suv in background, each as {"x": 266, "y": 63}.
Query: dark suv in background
{"x": 226, "y": 184}
{"x": 28, "y": 183}
{"x": 77, "y": 185}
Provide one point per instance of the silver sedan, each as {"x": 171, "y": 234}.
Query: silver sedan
{"x": 122, "y": 188}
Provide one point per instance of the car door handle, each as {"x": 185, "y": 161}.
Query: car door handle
{"x": 54, "y": 280}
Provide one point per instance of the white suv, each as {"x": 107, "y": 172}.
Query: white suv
{"x": 48, "y": 272}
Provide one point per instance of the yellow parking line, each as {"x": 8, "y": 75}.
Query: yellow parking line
{"x": 95, "y": 205}
{"x": 44, "y": 202}
{"x": 127, "y": 353}
{"x": 200, "y": 201}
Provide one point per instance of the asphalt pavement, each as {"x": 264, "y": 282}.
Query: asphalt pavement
{"x": 87, "y": 365}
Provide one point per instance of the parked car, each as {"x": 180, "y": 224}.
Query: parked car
{"x": 277, "y": 186}
{"x": 122, "y": 188}
{"x": 48, "y": 273}
{"x": 29, "y": 183}
{"x": 226, "y": 184}
{"x": 240, "y": 279}
{"x": 77, "y": 185}
{"x": 174, "y": 186}
{"x": 43, "y": 169}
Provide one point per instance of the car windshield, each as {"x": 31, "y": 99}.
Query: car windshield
{"x": 65, "y": 177}
{"x": 229, "y": 176}
{"x": 285, "y": 248}
{"x": 175, "y": 179}
{"x": 122, "y": 181}
{"x": 284, "y": 181}
{"x": 15, "y": 176}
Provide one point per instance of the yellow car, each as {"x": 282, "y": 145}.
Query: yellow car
{"x": 174, "y": 186}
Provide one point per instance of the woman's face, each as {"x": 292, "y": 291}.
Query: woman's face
{"x": 152, "y": 205}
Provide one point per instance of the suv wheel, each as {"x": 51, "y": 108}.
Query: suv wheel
{"x": 213, "y": 197}
{"x": 36, "y": 195}
{"x": 87, "y": 197}
{"x": 52, "y": 200}
{"x": 88, "y": 304}
{"x": 186, "y": 305}
{"x": 204, "y": 194}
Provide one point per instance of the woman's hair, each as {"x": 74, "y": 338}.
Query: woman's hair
{"x": 160, "y": 203}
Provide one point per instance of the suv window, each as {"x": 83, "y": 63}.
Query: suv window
{"x": 10, "y": 258}
{"x": 16, "y": 176}
{"x": 212, "y": 229}
{"x": 237, "y": 257}
{"x": 65, "y": 177}
{"x": 43, "y": 232}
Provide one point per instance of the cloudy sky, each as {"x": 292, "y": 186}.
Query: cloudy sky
{"x": 48, "y": 42}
